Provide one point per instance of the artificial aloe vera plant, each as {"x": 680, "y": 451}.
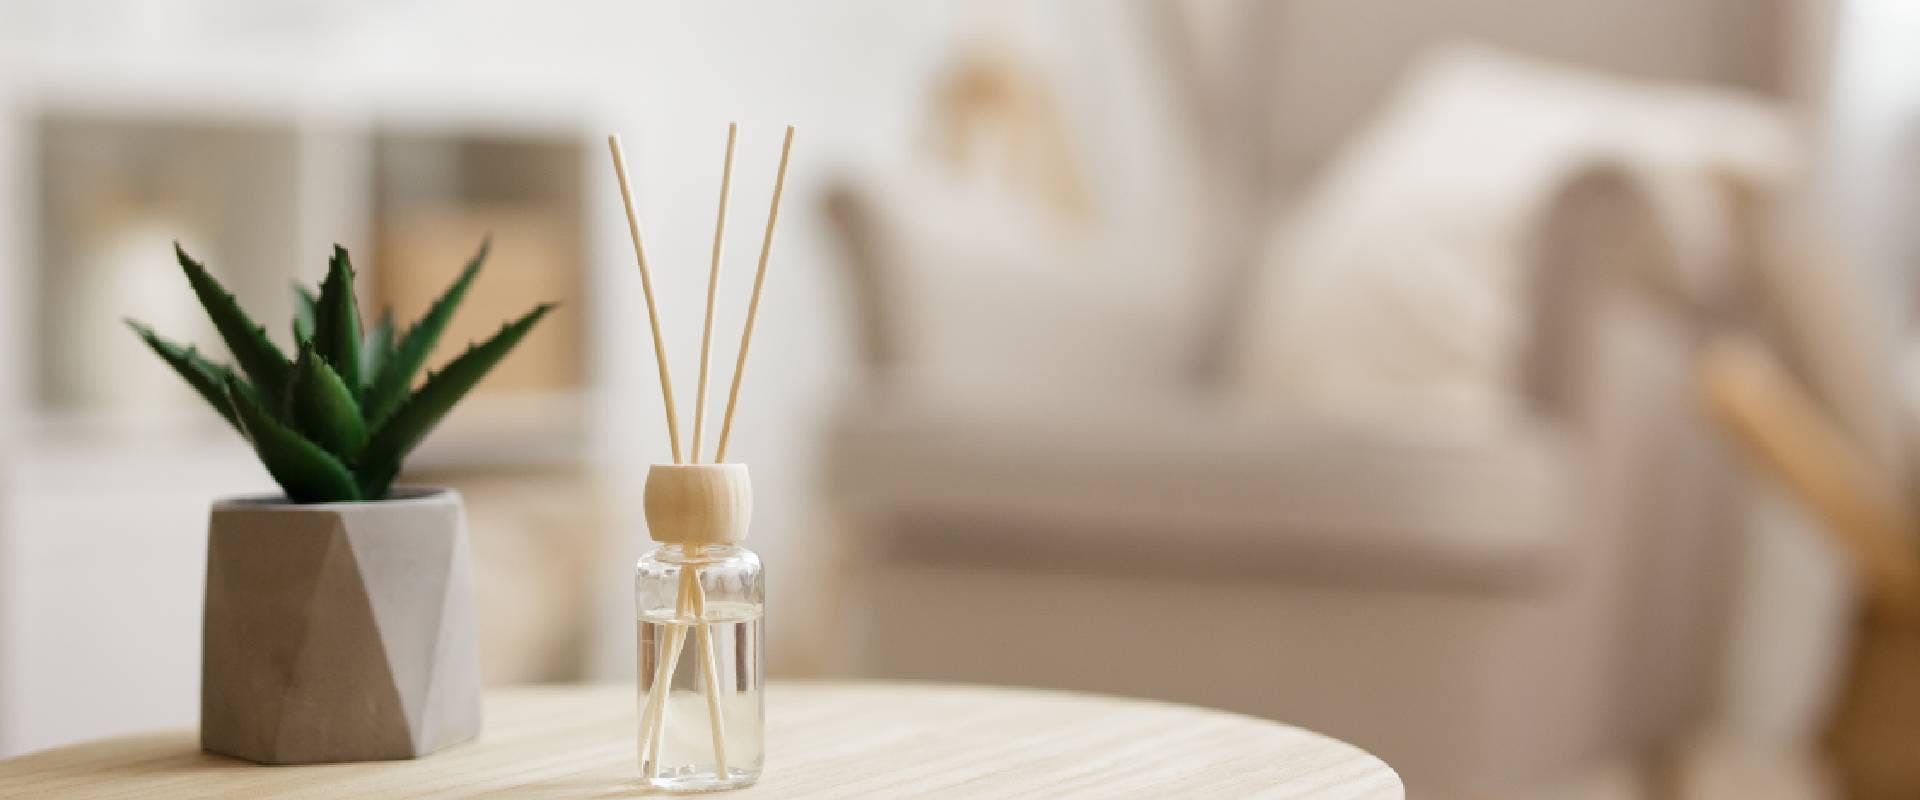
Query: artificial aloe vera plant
{"x": 333, "y": 422}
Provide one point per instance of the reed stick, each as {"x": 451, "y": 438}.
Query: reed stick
{"x": 709, "y": 663}
{"x": 653, "y": 717}
{"x": 646, "y": 287}
{"x": 650, "y": 720}
{"x": 689, "y": 603}
{"x": 713, "y": 285}
{"x": 753, "y": 304}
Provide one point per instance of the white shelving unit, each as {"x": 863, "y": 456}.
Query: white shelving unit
{"x": 106, "y": 462}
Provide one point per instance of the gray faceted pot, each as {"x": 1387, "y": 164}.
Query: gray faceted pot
{"x": 339, "y": 631}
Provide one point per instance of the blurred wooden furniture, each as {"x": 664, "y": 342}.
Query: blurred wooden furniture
{"x": 824, "y": 740}
{"x": 1784, "y": 429}
{"x": 1877, "y": 719}
{"x": 1874, "y": 730}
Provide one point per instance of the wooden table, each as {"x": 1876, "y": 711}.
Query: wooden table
{"x": 885, "y": 740}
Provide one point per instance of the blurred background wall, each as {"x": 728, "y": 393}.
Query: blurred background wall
{"x": 259, "y": 134}
{"x": 1345, "y": 350}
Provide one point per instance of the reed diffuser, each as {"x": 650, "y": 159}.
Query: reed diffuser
{"x": 701, "y": 716}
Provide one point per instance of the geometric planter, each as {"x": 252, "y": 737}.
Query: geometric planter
{"x": 338, "y": 631}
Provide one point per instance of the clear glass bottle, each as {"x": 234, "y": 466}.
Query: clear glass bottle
{"x": 700, "y": 604}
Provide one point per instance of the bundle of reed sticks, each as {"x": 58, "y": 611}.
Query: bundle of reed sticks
{"x": 690, "y": 602}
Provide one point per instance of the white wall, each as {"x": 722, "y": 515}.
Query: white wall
{"x": 1871, "y": 145}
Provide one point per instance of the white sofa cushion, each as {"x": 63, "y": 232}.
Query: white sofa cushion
{"x": 993, "y": 294}
{"x": 1399, "y": 292}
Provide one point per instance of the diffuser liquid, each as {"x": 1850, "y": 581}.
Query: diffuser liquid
{"x": 684, "y": 756}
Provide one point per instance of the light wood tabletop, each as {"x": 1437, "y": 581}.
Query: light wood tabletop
{"x": 823, "y": 740}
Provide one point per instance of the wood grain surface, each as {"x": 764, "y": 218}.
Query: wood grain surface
{"x": 887, "y": 740}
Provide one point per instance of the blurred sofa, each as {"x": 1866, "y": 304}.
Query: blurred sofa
{"x": 1482, "y": 613}
{"x": 1491, "y": 603}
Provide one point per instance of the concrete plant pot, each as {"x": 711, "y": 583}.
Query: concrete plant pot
{"x": 339, "y": 631}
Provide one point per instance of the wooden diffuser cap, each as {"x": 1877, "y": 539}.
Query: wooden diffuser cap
{"x": 699, "y": 503}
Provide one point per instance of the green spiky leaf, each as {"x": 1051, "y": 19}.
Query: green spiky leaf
{"x": 304, "y": 471}
{"x": 375, "y": 348}
{"x": 303, "y": 303}
{"x": 391, "y": 441}
{"x": 323, "y": 445}
{"x": 389, "y": 389}
{"x": 336, "y": 321}
{"x": 262, "y": 362}
{"x": 322, "y": 407}
{"x": 206, "y": 377}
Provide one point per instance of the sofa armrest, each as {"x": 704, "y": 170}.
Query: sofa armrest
{"x": 1132, "y": 490}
